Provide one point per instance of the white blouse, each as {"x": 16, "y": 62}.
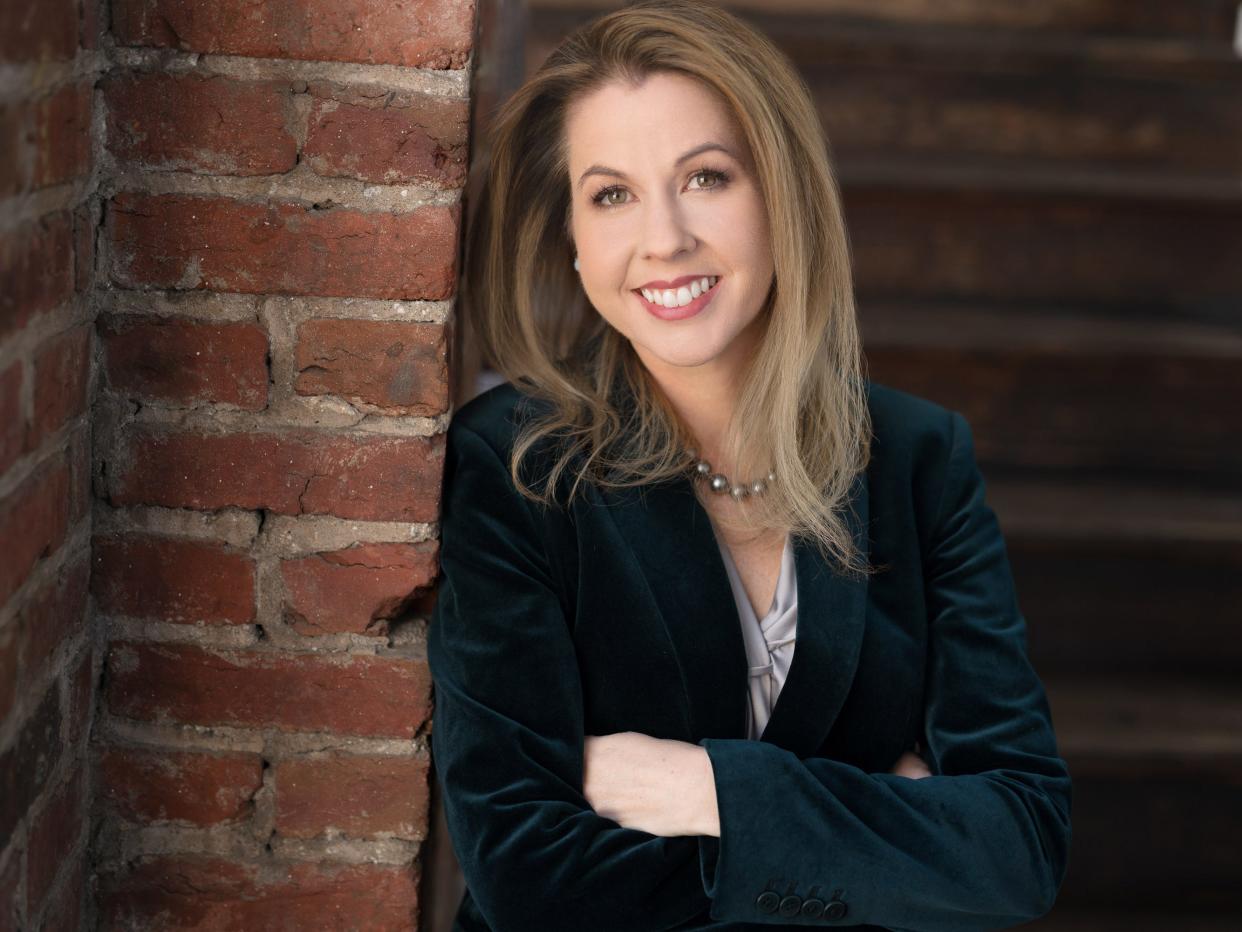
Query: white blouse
{"x": 770, "y": 640}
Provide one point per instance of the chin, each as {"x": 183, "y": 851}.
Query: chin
{"x": 686, "y": 353}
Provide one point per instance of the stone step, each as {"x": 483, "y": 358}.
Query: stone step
{"x": 1210, "y": 22}
{"x": 915, "y": 93}
{"x": 1138, "y": 258}
{"x": 1147, "y": 724}
{"x": 1078, "y": 394}
{"x": 1157, "y": 767}
{"x": 1130, "y": 918}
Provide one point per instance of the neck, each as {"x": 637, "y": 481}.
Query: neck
{"x": 704, "y": 396}
{"x": 704, "y": 400}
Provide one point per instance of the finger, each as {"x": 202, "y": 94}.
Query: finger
{"x": 912, "y": 766}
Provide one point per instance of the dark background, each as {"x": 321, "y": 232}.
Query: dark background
{"x": 1045, "y": 212}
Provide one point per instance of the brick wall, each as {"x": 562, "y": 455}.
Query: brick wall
{"x": 230, "y": 248}
{"x": 49, "y": 62}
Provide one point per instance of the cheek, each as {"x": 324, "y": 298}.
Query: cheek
{"x": 758, "y": 250}
{"x": 606, "y": 298}
{"x": 753, "y": 228}
{"x": 602, "y": 252}
{"x": 744, "y": 227}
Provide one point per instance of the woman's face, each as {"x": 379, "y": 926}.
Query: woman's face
{"x": 646, "y": 210}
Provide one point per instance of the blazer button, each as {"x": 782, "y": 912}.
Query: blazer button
{"x": 834, "y": 910}
{"x": 768, "y": 901}
{"x": 790, "y": 906}
{"x": 812, "y": 908}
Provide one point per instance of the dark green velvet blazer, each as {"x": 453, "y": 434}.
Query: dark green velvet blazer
{"x": 616, "y": 615}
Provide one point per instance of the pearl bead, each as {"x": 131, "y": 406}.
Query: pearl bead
{"x": 720, "y": 483}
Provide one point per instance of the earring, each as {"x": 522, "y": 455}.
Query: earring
{"x": 576, "y": 263}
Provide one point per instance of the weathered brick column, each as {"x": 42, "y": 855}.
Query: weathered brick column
{"x": 278, "y": 251}
{"x": 49, "y": 62}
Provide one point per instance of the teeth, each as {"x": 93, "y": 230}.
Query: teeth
{"x": 680, "y": 297}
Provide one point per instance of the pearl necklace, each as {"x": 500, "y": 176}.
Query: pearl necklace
{"x": 719, "y": 483}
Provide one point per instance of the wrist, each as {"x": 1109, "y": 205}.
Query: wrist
{"x": 708, "y": 812}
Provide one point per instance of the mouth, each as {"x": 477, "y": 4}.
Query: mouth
{"x": 695, "y": 297}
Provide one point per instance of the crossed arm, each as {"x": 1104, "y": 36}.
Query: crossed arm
{"x": 667, "y": 787}
{"x": 531, "y": 802}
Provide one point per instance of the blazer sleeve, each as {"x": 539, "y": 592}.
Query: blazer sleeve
{"x": 983, "y": 843}
{"x": 508, "y": 730}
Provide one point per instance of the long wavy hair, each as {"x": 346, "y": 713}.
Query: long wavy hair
{"x": 802, "y": 410}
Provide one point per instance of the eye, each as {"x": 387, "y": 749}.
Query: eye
{"x": 719, "y": 178}
{"x": 604, "y": 193}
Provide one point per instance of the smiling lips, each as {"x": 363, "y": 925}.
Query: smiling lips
{"x": 679, "y": 292}
{"x": 681, "y": 302}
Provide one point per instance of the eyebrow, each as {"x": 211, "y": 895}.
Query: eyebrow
{"x": 697, "y": 150}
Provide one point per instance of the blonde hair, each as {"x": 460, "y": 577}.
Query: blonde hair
{"x": 802, "y": 408}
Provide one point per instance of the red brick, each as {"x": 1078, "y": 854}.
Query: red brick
{"x": 53, "y": 615}
{"x": 148, "y": 785}
{"x": 418, "y": 34}
{"x": 33, "y": 522}
{"x": 395, "y": 139}
{"x": 9, "y": 652}
{"x": 199, "y": 123}
{"x": 25, "y": 767}
{"x": 61, "y": 136}
{"x": 64, "y": 913}
{"x": 12, "y": 420}
{"x": 356, "y": 590}
{"x": 297, "y": 472}
{"x": 78, "y": 459}
{"x": 357, "y": 796}
{"x": 81, "y": 690}
{"x": 401, "y": 368}
{"x": 186, "y": 361}
{"x": 53, "y": 836}
{"x": 61, "y": 374}
{"x": 356, "y": 694}
{"x": 180, "y": 581}
{"x": 36, "y": 269}
{"x": 184, "y": 242}
{"x": 88, "y": 34}
{"x": 424, "y": 601}
{"x": 45, "y": 31}
{"x": 84, "y": 226}
{"x": 213, "y": 895}
{"x": 45, "y": 140}
{"x": 12, "y": 916}
{"x": 12, "y": 131}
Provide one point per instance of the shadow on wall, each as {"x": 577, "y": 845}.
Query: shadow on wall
{"x": 444, "y": 884}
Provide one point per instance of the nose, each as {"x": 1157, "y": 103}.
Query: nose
{"x": 665, "y": 231}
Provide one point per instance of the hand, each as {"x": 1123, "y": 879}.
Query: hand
{"x": 655, "y": 785}
{"x": 911, "y": 765}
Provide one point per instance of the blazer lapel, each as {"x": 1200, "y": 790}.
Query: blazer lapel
{"x": 672, "y": 539}
{"x": 832, "y": 613}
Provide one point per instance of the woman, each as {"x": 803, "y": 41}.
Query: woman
{"x": 707, "y": 589}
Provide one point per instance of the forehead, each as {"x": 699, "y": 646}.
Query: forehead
{"x": 647, "y": 121}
